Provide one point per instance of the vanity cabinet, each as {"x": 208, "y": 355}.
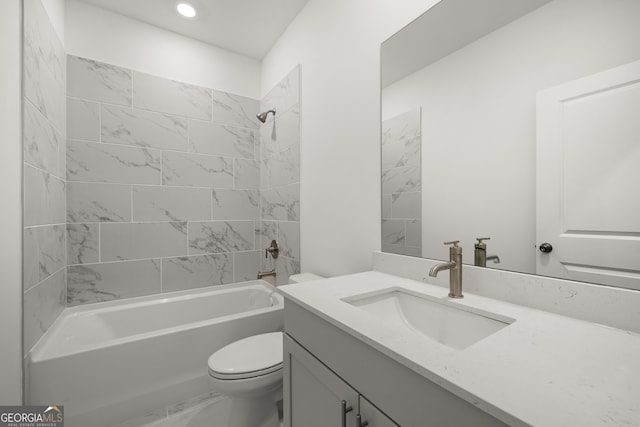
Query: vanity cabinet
{"x": 325, "y": 366}
{"x": 317, "y": 397}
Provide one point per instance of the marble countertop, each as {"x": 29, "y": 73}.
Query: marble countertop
{"x": 542, "y": 370}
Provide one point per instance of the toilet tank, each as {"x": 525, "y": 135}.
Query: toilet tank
{"x": 304, "y": 277}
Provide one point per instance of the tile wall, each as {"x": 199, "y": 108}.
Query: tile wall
{"x": 164, "y": 188}
{"x": 44, "y": 216}
{"x": 280, "y": 175}
{"x": 401, "y": 184}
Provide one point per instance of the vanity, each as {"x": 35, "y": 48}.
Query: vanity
{"x": 377, "y": 349}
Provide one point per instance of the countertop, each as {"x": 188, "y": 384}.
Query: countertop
{"x": 542, "y": 370}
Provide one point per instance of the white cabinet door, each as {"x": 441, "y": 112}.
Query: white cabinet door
{"x": 588, "y": 178}
{"x": 313, "y": 395}
{"x": 372, "y": 416}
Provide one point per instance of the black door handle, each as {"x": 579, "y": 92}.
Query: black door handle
{"x": 546, "y": 248}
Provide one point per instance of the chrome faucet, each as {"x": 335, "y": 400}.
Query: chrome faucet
{"x": 455, "y": 265}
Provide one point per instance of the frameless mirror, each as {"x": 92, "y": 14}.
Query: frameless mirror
{"x": 516, "y": 120}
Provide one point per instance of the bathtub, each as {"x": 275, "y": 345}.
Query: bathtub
{"x": 114, "y": 361}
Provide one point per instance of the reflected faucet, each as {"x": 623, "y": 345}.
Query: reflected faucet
{"x": 480, "y": 255}
{"x": 455, "y": 265}
{"x": 494, "y": 258}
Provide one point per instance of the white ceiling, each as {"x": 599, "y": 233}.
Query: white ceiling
{"x": 247, "y": 27}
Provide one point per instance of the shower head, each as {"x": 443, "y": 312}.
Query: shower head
{"x": 263, "y": 116}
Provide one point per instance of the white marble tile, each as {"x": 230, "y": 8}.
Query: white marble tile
{"x": 386, "y": 205}
{"x": 42, "y": 306}
{"x": 160, "y": 203}
{"x": 246, "y": 173}
{"x": 281, "y": 168}
{"x": 236, "y": 204}
{"x": 406, "y": 205}
{"x": 52, "y": 249}
{"x": 30, "y": 253}
{"x": 169, "y": 96}
{"x": 130, "y": 126}
{"x": 221, "y": 236}
{"x": 285, "y": 94}
{"x": 289, "y": 239}
{"x": 281, "y": 133}
{"x": 62, "y": 160}
{"x": 98, "y": 81}
{"x": 98, "y": 202}
{"x": 266, "y": 232}
{"x": 199, "y": 170}
{"x": 399, "y": 180}
{"x": 393, "y": 232}
{"x": 44, "y": 198}
{"x": 41, "y": 141}
{"x": 404, "y": 126}
{"x": 98, "y": 162}
{"x": 413, "y": 230}
{"x": 44, "y": 65}
{"x": 124, "y": 241}
{"x": 235, "y": 110}
{"x": 40, "y": 36}
{"x": 83, "y": 119}
{"x": 90, "y": 283}
{"x": 246, "y": 265}
{"x": 196, "y": 271}
{"x": 83, "y": 243}
{"x": 402, "y": 153}
{"x": 282, "y": 203}
{"x": 401, "y": 140}
{"x": 44, "y": 253}
{"x": 222, "y": 140}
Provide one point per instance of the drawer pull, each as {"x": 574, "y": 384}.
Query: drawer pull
{"x": 344, "y": 410}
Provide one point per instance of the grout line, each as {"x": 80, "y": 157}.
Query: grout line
{"x": 99, "y": 243}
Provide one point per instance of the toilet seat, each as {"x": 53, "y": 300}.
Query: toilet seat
{"x": 250, "y": 357}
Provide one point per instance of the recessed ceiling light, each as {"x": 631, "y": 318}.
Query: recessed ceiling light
{"x": 186, "y": 10}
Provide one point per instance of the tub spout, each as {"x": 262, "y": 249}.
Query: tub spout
{"x": 262, "y": 274}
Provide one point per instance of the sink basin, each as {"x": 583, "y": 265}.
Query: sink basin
{"x": 450, "y": 324}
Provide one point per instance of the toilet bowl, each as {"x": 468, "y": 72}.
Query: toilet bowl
{"x": 249, "y": 372}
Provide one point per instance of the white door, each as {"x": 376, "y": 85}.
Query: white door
{"x": 588, "y": 178}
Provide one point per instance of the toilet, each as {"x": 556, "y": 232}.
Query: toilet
{"x": 249, "y": 372}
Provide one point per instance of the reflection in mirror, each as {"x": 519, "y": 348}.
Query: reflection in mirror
{"x": 478, "y": 70}
{"x": 401, "y": 184}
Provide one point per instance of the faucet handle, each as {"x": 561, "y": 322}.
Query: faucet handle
{"x": 453, "y": 242}
{"x": 480, "y": 239}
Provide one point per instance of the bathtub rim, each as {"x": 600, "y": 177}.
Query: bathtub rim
{"x": 38, "y": 352}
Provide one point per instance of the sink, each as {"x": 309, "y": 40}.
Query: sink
{"x": 447, "y": 323}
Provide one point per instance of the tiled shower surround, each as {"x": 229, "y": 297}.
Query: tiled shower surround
{"x": 401, "y": 184}
{"x": 44, "y": 217}
{"x": 164, "y": 183}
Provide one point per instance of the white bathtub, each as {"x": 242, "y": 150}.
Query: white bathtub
{"x": 118, "y": 360}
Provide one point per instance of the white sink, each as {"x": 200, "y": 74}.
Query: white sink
{"x": 451, "y": 324}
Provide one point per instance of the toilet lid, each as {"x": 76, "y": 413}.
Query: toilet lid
{"x": 249, "y": 357}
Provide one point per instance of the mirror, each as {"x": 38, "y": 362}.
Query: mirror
{"x": 463, "y": 87}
